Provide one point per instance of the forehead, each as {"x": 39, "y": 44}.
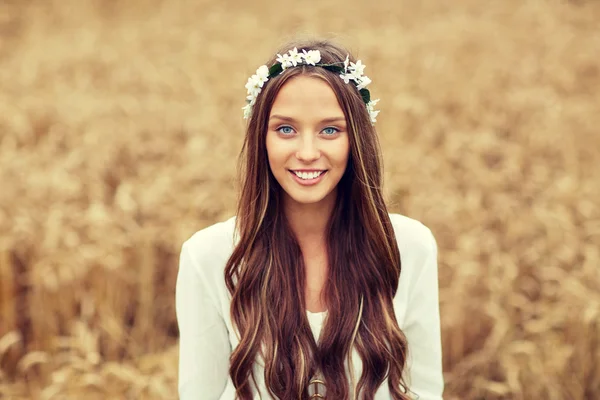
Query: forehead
{"x": 307, "y": 96}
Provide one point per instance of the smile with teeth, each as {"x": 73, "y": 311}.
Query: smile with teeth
{"x": 308, "y": 175}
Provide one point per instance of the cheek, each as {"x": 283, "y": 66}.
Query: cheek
{"x": 271, "y": 148}
{"x": 275, "y": 153}
{"x": 344, "y": 153}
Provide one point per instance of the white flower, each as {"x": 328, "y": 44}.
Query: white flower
{"x": 312, "y": 56}
{"x": 372, "y": 104}
{"x": 346, "y": 63}
{"x": 284, "y": 60}
{"x": 247, "y": 111}
{"x": 358, "y": 68}
{"x": 262, "y": 75}
{"x": 363, "y": 82}
{"x": 253, "y": 85}
{"x": 373, "y": 113}
{"x": 347, "y": 77}
{"x": 256, "y": 81}
{"x": 295, "y": 57}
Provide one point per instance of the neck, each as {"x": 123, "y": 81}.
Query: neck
{"x": 309, "y": 221}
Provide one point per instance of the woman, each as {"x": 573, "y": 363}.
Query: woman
{"x": 313, "y": 290}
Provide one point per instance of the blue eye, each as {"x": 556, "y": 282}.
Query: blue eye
{"x": 286, "y": 130}
{"x": 330, "y": 131}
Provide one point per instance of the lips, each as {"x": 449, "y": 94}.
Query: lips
{"x": 308, "y": 174}
{"x": 308, "y": 177}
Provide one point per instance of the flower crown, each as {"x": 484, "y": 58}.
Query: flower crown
{"x": 349, "y": 72}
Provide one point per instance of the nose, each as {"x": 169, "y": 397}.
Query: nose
{"x": 308, "y": 150}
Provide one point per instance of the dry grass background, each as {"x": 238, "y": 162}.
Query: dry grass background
{"x": 120, "y": 122}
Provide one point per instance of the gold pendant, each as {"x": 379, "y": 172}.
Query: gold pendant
{"x": 317, "y": 389}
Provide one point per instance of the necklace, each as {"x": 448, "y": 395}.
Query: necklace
{"x": 317, "y": 388}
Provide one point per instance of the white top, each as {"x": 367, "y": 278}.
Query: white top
{"x": 207, "y": 337}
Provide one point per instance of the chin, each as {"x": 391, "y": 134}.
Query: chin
{"x": 304, "y": 199}
{"x": 307, "y": 201}
{"x": 308, "y": 198}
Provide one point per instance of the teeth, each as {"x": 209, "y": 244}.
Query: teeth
{"x": 308, "y": 175}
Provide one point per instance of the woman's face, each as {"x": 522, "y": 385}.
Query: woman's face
{"x": 307, "y": 140}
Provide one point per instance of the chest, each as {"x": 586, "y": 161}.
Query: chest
{"x": 316, "y": 268}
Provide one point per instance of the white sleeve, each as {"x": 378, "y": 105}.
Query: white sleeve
{"x": 422, "y": 330}
{"x": 204, "y": 347}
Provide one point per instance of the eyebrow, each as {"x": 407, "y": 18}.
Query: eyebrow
{"x": 325, "y": 120}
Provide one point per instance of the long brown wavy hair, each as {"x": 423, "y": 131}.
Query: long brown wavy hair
{"x": 265, "y": 275}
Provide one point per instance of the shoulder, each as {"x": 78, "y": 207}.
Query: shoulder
{"x": 217, "y": 234}
{"x": 211, "y": 247}
{"x": 415, "y": 240}
{"x": 418, "y": 257}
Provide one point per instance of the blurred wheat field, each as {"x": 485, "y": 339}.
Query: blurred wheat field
{"x": 120, "y": 122}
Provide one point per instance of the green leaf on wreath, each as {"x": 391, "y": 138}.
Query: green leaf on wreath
{"x": 333, "y": 68}
{"x": 275, "y": 70}
{"x": 365, "y": 95}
